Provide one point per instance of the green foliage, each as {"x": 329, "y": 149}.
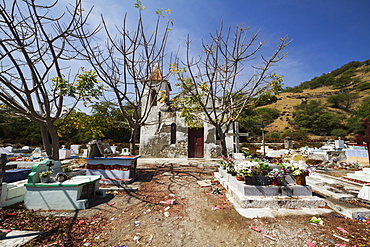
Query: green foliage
{"x": 299, "y": 134}
{"x": 310, "y": 107}
{"x": 85, "y": 88}
{"x": 338, "y": 132}
{"x": 44, "y": 174}
{"x": 138, "y": 5}
{"x": 343, "y": 101}
{"x": 266, "y": 114}
{"x": 363, "y": 86}
{"x": 366, "y": 70}
{"x": 360, "y": 112}
{"x": 252, "y": 117}
{"x": 273, "y": 137}
{"x": 105, "y": 122}
{"x": 190, "y": 104}
{"x": 80, "y": 127}
{"x": 17, "y": 130}
{"x": 338, "y": 78}
{"x": 266, "y": 99}
{"x": 313, "y": 116}
{"x": 269, "y": 96}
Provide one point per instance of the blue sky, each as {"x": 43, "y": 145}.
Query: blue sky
{"x": 326, "y": 33}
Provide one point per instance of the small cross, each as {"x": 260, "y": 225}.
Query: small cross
{"x": 50, "y": 164}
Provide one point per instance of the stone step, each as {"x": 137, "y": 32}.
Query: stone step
{"x": 361, "y": 173}
{"x": 366, "y": 170}
{"x": 360, "y": 177}
{"x": 281, "y": 202}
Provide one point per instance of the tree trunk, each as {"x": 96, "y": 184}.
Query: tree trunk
{"x": 45, "y": 140}
{"x": 54, "y": 143}
{"x": 222, "y": 137}
{"x": 133, "y": 141}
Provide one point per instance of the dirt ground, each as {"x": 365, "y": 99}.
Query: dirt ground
{"x": 197, "y": 217}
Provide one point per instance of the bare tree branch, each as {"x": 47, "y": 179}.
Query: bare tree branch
{"x": 33, "y": 46}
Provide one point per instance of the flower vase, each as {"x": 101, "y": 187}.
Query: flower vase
{"x": 300, "y": 180}
{"x": 238, "y": 177}
{"x": 248, "y": 180}
{"x": 275, "y": 182}
{"x": 44, "y": 179}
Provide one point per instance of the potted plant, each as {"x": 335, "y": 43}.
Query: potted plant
{"x": 239, "y": 175}
{"x": 275, "y": 176}
{"x": 44, "y": 176}
{"x": 229, "y": 165}
{"x": 264, "y": 168}
{"x": 222, "y": 164}
{"x": 231, "y": 170}
{"x": 246, "y": 171}
{"x": 248, "y": 174}
{"x": 300, "y": 175}
{"x": 261, "y": 169}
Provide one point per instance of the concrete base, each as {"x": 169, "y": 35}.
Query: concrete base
{"x": 115, "y": 181}
{"x": 365, "y": 192}
{"x": 18, "y": 238}
{"x": 336, "y": 192}
{"x": 290, "y": 190}
{"x": 12, "y": 193}
{"x": 68, "y": 195}
{"x": 363, "y": 175}
{"x": 264, "y": 197}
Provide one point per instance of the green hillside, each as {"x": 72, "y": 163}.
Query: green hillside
{"x": 327, "y": 106}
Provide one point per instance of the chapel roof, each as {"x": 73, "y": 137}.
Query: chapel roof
{"x": 156, "y": 74}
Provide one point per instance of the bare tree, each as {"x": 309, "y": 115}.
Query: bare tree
{"x": 130, "y": 65}
{"x": 214, "y": 87}
{"x": 34, "y": 79}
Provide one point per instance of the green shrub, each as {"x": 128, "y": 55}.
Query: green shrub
{"x": 338, "y": 132}
{"x": 364, "y": 86}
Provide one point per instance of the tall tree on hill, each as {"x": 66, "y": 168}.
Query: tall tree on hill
{"x": 35, "y": 81}
{"x": 214, "y": 88}
{"x": 126, "y": 65}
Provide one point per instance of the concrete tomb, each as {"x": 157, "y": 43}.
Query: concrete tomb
{"x": 112, "y": 167}
{"x": 71, "y": 194}
{"x": 288, "y": 195}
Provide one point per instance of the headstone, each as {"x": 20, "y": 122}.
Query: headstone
{"x": 75, "y": 149}
{"x": 64, "y": 153}
{"x": 113, "y": 148}
{"x": 93, "y": 149}
{"x": 339, "y": 144}
{"x": 288, "y": 142}
{"x": 84, "y": 153}
{"x": 125, "y": 151}
{"x": 364, "y": 192}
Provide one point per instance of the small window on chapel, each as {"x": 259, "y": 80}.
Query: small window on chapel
{"x": 173, "y": 133}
